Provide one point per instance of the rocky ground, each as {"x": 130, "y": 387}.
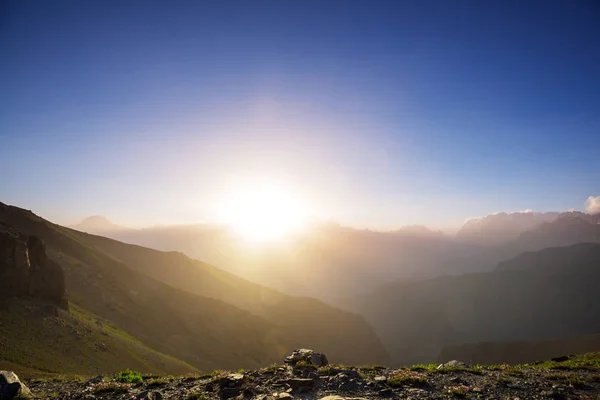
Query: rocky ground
{"x": 576, "y": 377}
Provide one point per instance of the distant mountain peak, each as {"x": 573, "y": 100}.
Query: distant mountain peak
{"x": 97, "y": 224}
{"x": 418, "y": 230}
{"x": 502, "y": 227}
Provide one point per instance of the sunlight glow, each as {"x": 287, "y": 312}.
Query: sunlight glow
{"x": 263, "y": 211}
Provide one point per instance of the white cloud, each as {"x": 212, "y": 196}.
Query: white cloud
{"x": 592, "y": 205}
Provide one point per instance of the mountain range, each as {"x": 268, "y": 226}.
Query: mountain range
{"x": 329, "y": 262}
{"x": 401, "y": 297}
{"x": 189, "y": 310}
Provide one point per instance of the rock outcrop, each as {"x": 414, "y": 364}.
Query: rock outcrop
{"x": 11, "y": 386}
{"x": 26, "y": 270}
{"x": 307, "y": 356}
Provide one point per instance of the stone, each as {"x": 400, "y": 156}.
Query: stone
{"x": 453, "y": 364}
{"x": 149, "y": 396}
{"x": 229, "y": 392}
{"x": 9, "y": 391}
{"x": 232, "y": 380}
{"x": 11, "y": 386}
{"x": 96, "y": 379}
{"x": 515, "y": 386}
{"x": 308, "y": 356}
{"x": 298, "y": 383}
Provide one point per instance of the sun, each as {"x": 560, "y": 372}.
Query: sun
{"x": 263, "y": 211}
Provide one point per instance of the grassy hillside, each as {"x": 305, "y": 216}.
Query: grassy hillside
{"x": 548, "y": 296}
{"x": 204, "y": 324}
{"x": 302, "y": 322}
{"x": 37, "y": 339}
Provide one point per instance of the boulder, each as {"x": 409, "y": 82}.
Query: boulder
{"x": 308, "y": 356}
{"x": 149, "y": 396}
{"x": 11, "y": 386}
{"x": 453, "y": 364}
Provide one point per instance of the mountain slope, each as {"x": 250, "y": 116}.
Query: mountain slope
{"x": 301, "y": 321}
{"x": 34, "y": 336}
{"x": 204, "y": 331}
{"x": 549, "y": 297}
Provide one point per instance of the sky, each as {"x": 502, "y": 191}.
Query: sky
{"x": 375, "y": 114}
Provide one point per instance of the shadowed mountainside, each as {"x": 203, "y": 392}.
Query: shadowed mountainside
{"x": 542, "y": 295}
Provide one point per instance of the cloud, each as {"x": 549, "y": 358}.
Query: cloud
{"x": 592, "y": 205}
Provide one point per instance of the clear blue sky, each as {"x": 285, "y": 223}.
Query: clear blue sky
{"x": 379, "y": 114}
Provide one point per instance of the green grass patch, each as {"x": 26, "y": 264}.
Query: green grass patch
{"x": 305, "y": 365}
{"x": 568, "y": 379}
{"x": 514, "y": 370}
{"x": 457, "y": 391}
{"x": 407, "y": 378}
{"x": 157, "y": 382}
{"x": 111, "y": 387}
{"x": 589, "y": 361}
{"x": 424, "y": 367}
{"x": 272, "y": 368}
{"x": 129, "y": 376}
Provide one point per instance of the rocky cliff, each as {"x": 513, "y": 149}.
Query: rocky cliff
{"x": 26, "y": 270}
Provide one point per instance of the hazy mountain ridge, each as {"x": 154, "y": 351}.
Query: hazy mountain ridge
{"x": 329, "y": 261}
{"x": 206, "y": 332}
{"x": 517, "y": 301}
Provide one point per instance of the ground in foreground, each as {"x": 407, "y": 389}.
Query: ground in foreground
{"x": 575, "y": 377}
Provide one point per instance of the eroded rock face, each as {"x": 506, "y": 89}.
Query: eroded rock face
{"x": 26, "y": 270}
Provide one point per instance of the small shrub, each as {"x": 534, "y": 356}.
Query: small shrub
{"x": 458, "y": 391}
{"x": 327, "y": 370}
{"x": 155, "y": 382}
{"x": 410, "y": 378}
{"x": 304, "y": 364}
{"x": 514, "y": 370}
{"x": 110, "y": 387}
{"x": 129, "y": 376}
{"x": 218, "y": 373}
{"x": 476, "y": 369}
{"x": 424, "y": 367}
{"x": 272, "y": 368}
{"x": 372, "y": 367}
{"x": 567, "y": 379}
